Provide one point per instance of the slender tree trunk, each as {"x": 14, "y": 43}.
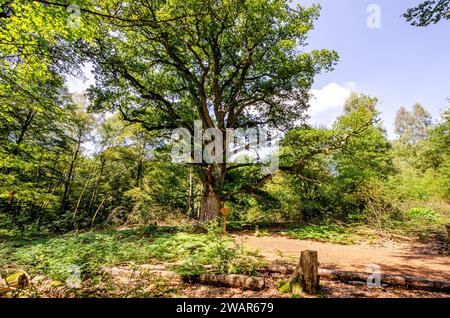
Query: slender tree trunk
{"x": 85, "y": 187}
{"x": 26, "y": 124}
{"x": 190, "y": 202}
{"x": 65, "y": 199}
{"x": 97, "y": 185}
{"x": 139, "y": 173}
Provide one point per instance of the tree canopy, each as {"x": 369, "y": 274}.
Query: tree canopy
{"x": 428, "y": 12}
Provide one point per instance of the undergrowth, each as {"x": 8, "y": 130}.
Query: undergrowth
{"x": 322, "y": 233}
{"x": 191, "y": 253}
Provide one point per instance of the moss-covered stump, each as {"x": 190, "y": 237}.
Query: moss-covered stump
{"x": 305, "y": 278}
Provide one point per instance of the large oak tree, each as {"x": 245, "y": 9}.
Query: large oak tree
{"x": 229, "y": 64}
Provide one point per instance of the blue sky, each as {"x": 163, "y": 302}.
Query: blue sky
{"x": 397, "y": 63}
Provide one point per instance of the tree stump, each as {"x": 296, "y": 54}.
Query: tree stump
{"x": 306, "y": 275}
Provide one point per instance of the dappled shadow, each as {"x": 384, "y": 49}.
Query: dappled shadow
{"x": 432, "y": 267}
{"x": 396, "y": 258}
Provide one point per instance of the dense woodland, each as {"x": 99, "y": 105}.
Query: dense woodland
{"x": 102, "y": 158}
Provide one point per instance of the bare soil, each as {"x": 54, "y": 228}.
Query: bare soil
{"x": 396, "y": 256}
{"x": 405, "y": 257}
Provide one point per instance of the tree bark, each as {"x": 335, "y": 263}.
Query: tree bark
{"x": 212, "y": 183}
{"x": 229, "y": 280}
{"x": 190, "y": 210}
{"x": 67, "y": 184}
{"x": 97, "y": 185}
{"x": 25, "y": 125}
{"x": 210, "y": 205}
{"x": 306, "y": 275}
{"x": 403, "y": 281}
{"x": 139, "y": 172}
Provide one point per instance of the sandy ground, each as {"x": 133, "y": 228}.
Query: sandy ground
{"x": 399, "y": 258}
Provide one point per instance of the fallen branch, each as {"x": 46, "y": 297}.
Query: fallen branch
{"x": 406, "y": 281}
{"x": 409, "y": 282}
{"x": 13, "y": 282}
{"x": 136, "y": 271}
{"x": 229, "y": 280}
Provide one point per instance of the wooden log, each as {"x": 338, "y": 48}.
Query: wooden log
{"x": 158, "y": 270}
{"x": 14, "y": 281}
{"x": 305, "y": 277}
{"x": 277, "y": 268}
{"x": 17, "y": 280}
{"x": 229, "y": 280}
{"x": 406, "y": 281}
{"x": 410, "y": 282}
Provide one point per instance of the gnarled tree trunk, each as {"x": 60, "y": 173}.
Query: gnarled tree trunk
{"x": 210, "y": 205}
{"x": 211, "y": 202}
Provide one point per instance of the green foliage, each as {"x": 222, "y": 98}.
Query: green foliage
{"x": 63, "y": 168}
{"x": 428, "y": 12}
{"x": 93, "y": 250}
{"x": 90, "y": 251}
{"x": 323, "y": 233}
{"x": 213, "y": 249}
{"x": 283, "y": 287}
{"x": 261, "y": 233}
{"x": 422, "y": 215}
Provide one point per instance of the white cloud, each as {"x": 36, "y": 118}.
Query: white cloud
{"x": 327, "y": 102}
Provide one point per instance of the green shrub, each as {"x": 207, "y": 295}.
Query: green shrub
{"x": 423, "y": 215}
{"x": 198, "y": 250}
{"x": 323, "y": 233}
{"x": 91, "y": 251}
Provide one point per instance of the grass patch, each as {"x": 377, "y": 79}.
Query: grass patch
{"x": 322, "y": 233}
{"x": 426, "y": 216}
{"x": 92, "y": 250}
{"x": 89, "y": 251}
{"x": 197, "y": 251}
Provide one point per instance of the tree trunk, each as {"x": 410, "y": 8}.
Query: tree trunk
{"x": 25, "y": 126}
{"x": 190, "y": 201}
{"x": 97, "y": 186}
{"x": 139, "y": 173}
{"x": 67, "y": 184}
{"x": 210, "y": 205}
{"x": 404, "y": 281}
{"x": 86, "y": 183}
{"x": 306, "y": 276}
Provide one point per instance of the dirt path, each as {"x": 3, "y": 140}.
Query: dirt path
{"x": 396, "y": 258}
